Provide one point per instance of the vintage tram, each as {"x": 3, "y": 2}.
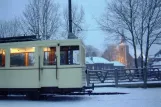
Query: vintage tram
{"x": 34, "y": 67}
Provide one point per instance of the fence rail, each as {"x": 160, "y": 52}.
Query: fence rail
{"x": 117, "y": 76}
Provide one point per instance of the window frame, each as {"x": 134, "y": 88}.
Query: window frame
{"x": 34, "y": 56}
{"x": 3, "y": 50}
{"x": 79, "y": 56}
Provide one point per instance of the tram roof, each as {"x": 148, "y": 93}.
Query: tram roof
{"x": 66, "y": 42}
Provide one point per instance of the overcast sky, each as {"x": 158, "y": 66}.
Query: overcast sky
{"x": 93, "y": 9}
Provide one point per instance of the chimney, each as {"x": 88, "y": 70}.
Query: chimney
{"x": 92, "y": 58}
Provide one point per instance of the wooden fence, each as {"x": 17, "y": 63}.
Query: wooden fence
{"x": 115, "y": 76}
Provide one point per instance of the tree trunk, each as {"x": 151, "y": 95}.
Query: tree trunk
{"x": 136, "y": 62}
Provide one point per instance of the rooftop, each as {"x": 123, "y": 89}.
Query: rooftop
{"x": 93, "y": 60}
{"x": 116, "y": 63}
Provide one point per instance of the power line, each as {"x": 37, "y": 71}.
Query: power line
{"x": 86, "y": 30}
{"x": 93, "y": 30}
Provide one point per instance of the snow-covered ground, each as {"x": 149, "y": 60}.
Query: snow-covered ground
{"x": 137, "y": 97}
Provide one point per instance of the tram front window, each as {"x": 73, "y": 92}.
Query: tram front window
{"x": 22, "y": 56}
{"x": 2, "y": 58}
{"x": 69, "y": 55}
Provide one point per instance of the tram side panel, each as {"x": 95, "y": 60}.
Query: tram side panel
{"x": 3, "y": 79}
{"x": 48, "y": 77}
{"x": 70, "y": 78}
{"x": 23, "y": 78}
{"x": 84, "y": 80}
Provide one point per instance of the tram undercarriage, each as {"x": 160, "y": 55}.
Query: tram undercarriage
{"x": 36, "y": 93}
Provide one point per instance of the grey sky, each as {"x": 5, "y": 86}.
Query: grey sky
{"x": 93, "y": 9}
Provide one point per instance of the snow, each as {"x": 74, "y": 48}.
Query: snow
{"x": 89, "y": 61}
{"x": 157, "y": 63}
{"x": 136, "y": 97}
{"x": 92, "y": 60}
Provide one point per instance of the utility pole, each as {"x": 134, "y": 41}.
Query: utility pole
{"x": 70, "y": 33}
{"x": 70, "y": 15}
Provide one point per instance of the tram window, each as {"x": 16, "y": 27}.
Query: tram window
{"x": 2, "y": 58}
{"x": 50, "y": 56}
{"x": 69, "y": 55}
{"x": 22, "y": 56}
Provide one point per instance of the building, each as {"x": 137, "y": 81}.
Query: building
{"x": 122, "y": 53}
{"x": 111, "y": 53}
{"x": 100, "y": 63}
{"x": 118, "y": 65}
{"x": 155, "y": 61}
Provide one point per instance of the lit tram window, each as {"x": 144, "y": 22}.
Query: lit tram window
{"x": 49, "y": 56}
{"x": 2, "y": 58}
{"x": 22, "y": 56}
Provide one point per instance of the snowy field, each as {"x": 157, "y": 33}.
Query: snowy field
{"x": 137, "y": 97}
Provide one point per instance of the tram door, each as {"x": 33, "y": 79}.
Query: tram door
{"x": 48, "y": 66}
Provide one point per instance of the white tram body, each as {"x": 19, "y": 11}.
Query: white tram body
{"x": 47, "y": 66}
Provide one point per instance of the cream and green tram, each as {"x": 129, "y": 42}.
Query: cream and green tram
{"x": 48, "y": 66}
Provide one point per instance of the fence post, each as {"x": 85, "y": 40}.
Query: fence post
{"x": 116, "y": 77}
{"x": 145, "y": 77}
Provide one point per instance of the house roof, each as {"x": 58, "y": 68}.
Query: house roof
{"x": 156, "y": 63}
{"x": 89, "y": 61}
{"x": 116, "y": 63}
{"x": 102, "y": 60}
{"x": 92, "y": 60}
{"x": 158, "y": 56}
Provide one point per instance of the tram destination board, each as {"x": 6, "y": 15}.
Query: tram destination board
{"x": 19, "y": 39}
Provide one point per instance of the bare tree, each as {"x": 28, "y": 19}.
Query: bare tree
{"x": 111, "y": 53}
{"x": 151, "y": 24}
{"x": 3, "y": 28}
{"x": 10, "y": 28}
{"x": 78, "y": 21}
{"x": 120, "y": 18}
{"x": 138, "y": 21}
{"x": 91, "y": 51}
{"x": 42, "y": 18}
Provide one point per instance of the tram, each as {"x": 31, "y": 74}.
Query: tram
{"x": 33, "y": 67}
